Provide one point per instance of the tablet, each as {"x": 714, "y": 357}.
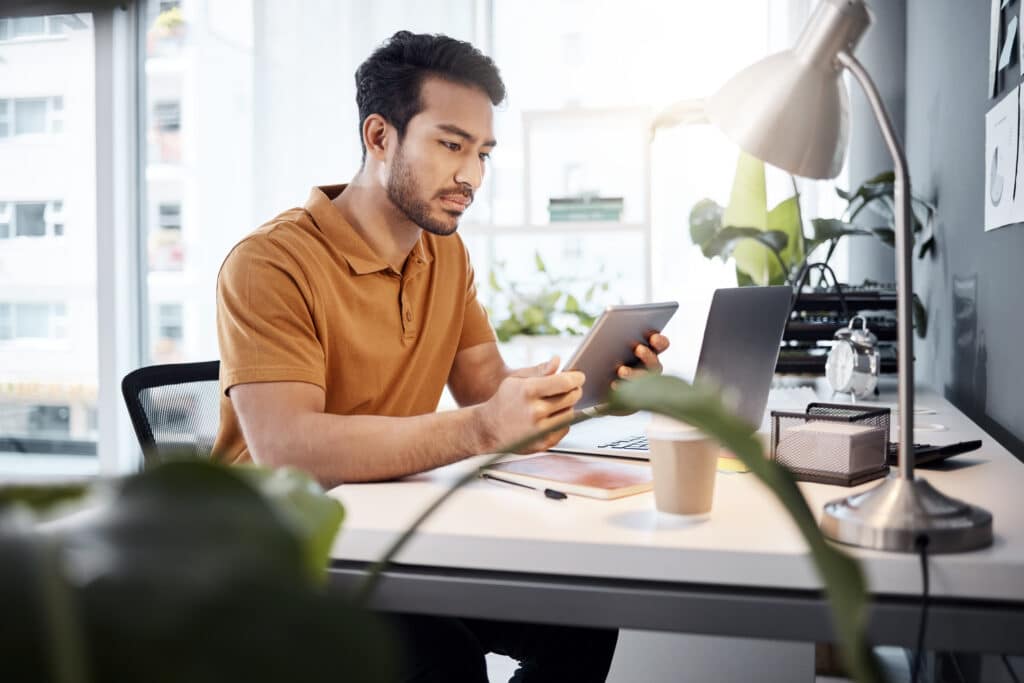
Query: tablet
{"x": 610, "y": 344}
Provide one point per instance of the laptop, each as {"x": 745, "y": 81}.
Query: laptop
{"x": 738, "y": 354}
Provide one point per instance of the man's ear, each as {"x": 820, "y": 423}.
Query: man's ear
{"x": 376, "y": 136}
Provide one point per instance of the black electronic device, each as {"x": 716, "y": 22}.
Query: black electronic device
{"x": 927, "y": 454}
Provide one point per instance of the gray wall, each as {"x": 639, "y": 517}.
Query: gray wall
{"x": 973, "y": 287}
{"x": 882, "y": 51}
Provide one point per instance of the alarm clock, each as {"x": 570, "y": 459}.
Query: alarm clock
{"x": 853, "y": 363}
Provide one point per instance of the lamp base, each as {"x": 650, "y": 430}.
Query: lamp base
{"x": 892, "y": 515}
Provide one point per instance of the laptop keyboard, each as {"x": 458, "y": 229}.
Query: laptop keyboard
{"x": 632, "y": 443}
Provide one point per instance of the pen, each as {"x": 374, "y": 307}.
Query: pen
{"x": 549, "y": 493}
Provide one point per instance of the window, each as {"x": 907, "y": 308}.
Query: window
{"x": 32, "y": 321}
{"x": 29, "y": 28}
{"x": 31, "y": 116}
{"x": 170, "y": 216}
{"x": 167, "y": 116}
{"x": 48, "y": 334}
{"x": 31, "y": 219}
{"x": 170, "y": 322}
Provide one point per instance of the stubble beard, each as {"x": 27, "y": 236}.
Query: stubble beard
{"x": 403, "y": 191}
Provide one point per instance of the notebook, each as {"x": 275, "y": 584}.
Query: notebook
{"x": 606, "y": 479}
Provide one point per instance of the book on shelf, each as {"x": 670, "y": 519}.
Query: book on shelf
{"x": 585, "y": 208}
{"x": 576, "y": 475}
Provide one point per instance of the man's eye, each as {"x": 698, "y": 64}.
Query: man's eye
{"x": 453, "y": 146}
{"x": 485, "y": 156}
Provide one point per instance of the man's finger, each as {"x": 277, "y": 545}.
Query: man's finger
{"x": 554, "y": 385}
{"x": 540, "y": 370}
{"x": 648, "y": 357}
{"x": 557, "y": 404}
{"x": 658, "y": 342}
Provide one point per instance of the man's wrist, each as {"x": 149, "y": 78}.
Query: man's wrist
{"x": 481, "y": 436}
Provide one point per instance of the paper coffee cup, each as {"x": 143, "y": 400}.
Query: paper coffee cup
{"x": 683, "y": 465}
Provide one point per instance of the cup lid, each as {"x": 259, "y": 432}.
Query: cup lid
{"x": 669, "y": 429}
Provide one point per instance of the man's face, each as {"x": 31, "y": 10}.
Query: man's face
{"x": 433, "y": 173}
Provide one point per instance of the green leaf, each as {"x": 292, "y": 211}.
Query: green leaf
{"x": 300, "y": 502}
{"x": 748, "y": 207}
{"x": 572, "y": 305}
{"x": 728, "y": 239}
{"x": 927, "y": 246}
{"x": 844, "y": 582}
{"x": 887, "y": 235}
{"x": 920, "y": 317}
{"x": 705, "y": 221}
{"x": 743, "y": 280}
{"x": 831, "y": 228}
{"x": 532, "y": 317}
{"x": 748, "y": 202}
{"x": 539, "y": 262}
{"x": 492, "y": 279}
{"x": 785, "y": 218}
{"x": 41, "y": 498}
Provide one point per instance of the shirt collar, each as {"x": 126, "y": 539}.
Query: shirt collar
{"x": 361, "y": 258}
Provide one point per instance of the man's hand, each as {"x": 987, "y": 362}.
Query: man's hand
{"x": 530, "y": 400}
{"x": 648, "y": 356}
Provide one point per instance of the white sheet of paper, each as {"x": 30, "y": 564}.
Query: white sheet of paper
{"x": 1001, "y": 140}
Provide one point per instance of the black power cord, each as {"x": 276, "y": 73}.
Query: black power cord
{"x": 921, "y": 544}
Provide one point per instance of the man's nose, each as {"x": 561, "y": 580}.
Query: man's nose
{"x": 470, "y": 173}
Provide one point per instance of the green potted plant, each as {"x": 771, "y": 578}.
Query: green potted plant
{"x": 548, "y": 307}
{"x": 189, "y": 571}
{"x": 769, "y": 246}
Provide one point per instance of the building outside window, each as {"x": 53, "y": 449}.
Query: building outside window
{"x": 31, "y": 116}
{"x": 28, "y": 28}
{"x": 49, "y": 341}
{"x": 33, "y": 321}
{"x": 31, "y": 219}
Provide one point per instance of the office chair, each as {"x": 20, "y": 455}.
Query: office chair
{"x": 174, "y": 408}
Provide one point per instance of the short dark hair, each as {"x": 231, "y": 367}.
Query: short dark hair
{"x": 389, "y": 81}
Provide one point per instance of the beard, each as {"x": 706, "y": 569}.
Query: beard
{"x": 404, "y": 192}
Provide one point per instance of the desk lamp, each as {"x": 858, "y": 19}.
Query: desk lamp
{"x": 791, "y": 110}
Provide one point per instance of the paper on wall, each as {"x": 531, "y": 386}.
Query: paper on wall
{"x": 1002, "y": 129}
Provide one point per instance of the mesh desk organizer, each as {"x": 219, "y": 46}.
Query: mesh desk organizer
{"x": 832, "y": 443}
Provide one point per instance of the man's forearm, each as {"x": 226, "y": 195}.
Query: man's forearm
{"x": 361, "y": 448}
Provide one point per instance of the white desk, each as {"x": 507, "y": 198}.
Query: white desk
{"x": 500, "y": 552}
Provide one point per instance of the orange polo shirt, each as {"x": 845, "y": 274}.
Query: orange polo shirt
{"x": 305, "y": 299}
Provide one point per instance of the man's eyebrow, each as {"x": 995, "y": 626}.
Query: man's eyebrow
{"x": 469, "y": 137}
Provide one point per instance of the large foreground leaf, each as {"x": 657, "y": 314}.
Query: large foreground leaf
{"x": 190, "y": 571}
{"x": 844, "y": 582}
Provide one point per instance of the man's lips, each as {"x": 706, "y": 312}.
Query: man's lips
{"x": 457, "y": 201}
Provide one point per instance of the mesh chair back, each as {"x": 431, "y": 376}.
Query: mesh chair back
{"x": 174, "y": 408}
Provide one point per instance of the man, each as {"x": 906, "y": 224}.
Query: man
{"x": 340, "y": 323}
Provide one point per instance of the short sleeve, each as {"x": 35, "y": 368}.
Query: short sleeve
{"x": 265, "y": 324}
{"x": 476, "y": 328}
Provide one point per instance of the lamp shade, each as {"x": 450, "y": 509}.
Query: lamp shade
{"x": 791, "y": 109}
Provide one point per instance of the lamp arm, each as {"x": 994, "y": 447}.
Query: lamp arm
{"x": 904, "y": 264}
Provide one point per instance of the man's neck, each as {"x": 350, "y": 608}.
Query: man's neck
{"x": 388, "y": 231}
